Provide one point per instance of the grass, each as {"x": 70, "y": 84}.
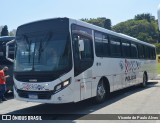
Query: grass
{"x": 158, "y": 68}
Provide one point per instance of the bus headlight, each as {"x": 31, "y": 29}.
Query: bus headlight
{"x": 65, "y": 83}
{"x": 61, "y": 86}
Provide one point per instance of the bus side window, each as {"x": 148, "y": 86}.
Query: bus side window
{"x": 125, "y": 49}
{"x": 87, "y": 53}
{"x": 134, "y": 51}
{"x": 154, "y": 54}
{"x": 106, "y": 46}
{"x": 101, "y": 44}
{"x": 146, "y": 52}
{"x": 115, "y": 47}
{"x": 141, "y": 51}
{"x": 98, "y": 44}
{"x": 85, "y": 60}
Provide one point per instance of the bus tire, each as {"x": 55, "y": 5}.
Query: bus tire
{"x": 144, "y": 80}
{"x": 102, "y": 92}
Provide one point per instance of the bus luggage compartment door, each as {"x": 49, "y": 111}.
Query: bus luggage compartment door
{"x": 85, "y": 88}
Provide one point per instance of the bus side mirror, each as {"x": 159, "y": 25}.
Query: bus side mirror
{"x": 81, "y": 45}
{"x": 7, "y": 50}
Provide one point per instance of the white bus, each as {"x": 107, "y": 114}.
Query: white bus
{"x": 63, "y": 60}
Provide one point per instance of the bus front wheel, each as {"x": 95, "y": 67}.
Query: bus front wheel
{"x": 101, "y": 92}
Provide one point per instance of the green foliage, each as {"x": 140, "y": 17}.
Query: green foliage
{"x": 101, "y": 21}
{"x": 144, "y": 27}
{"x": 146, "y": 16}
{"x": 158, "y": 68}
{"x": 157, "y": 48}
{"x": 4, "y": 31}
{"x": 107, "y": 24}
{"x": 1, "y": 29}
{"x": 12, "y": 33}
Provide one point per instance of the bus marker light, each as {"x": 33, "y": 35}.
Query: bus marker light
{"x": 58, "y": 87}
{"x": 59, "y": 98}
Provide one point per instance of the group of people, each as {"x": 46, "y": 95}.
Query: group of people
{"x": 3, "y": 78}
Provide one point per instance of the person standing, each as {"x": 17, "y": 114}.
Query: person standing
{"x": 3, "y": 78}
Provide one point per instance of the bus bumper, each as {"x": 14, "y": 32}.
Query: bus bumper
{"x": 64, "y": 96}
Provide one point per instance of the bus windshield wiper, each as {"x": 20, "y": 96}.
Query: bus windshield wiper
{"x": 40, "y": 50}
{"x": 44, "y": 45}
{"x": 47, "y": 39}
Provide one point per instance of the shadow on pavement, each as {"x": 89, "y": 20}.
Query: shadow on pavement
{"x": 9, "y": 95}
{"x": 74, "y": 111}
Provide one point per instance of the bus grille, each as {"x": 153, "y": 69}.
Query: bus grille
{"x": 38, "y": 77}
{"x": 41, "y": 94}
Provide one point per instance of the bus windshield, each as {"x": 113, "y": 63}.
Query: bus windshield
{"x": 43, "y": 52}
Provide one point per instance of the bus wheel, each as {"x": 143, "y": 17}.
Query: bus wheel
{"x": 101, "y": 92}
{"x": 144, "y": 80}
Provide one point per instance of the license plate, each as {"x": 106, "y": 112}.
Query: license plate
{"x": 33, "y": 96}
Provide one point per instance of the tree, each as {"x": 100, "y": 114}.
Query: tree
{"x": 101, "y": 21}
{"x": 4, "y": 31}
{"x": 157, "y": 48}
{"x": 1, "y": 29}
{"x": 143, "y": 16}
{"x": 139, "y": 28}
{"x": 13, "y": 32}
{"x": 107, "y": 24}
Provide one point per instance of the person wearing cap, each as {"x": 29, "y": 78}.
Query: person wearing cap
{"x": 3, "y": 78}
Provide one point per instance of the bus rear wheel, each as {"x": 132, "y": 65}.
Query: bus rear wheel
{"x": 144, "y": 80}
{"x": 101, "y": 92}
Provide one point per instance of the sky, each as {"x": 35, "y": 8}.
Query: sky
{"x": 14, "y": 13}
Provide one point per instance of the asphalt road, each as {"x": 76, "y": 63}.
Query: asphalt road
{"x": 133, "y": 100}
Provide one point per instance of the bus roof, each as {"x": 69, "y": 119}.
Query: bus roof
{"x": 94, "y": 27}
